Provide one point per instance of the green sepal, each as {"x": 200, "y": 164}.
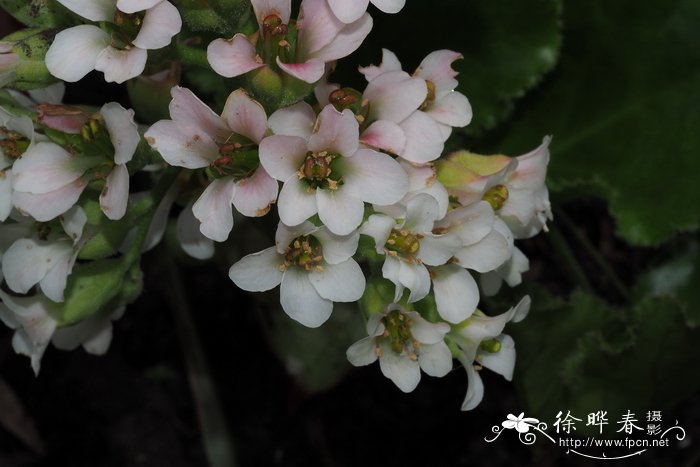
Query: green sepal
{"x": 30, "y": 47}
{"x": 38, "y": 13}
{"x": 108, "y": 234}
{"x": 428, "y": 308}
{"x": 378, "y": 294}
{"x": 224, "y": 17}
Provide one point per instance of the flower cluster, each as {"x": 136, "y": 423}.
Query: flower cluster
{"x": 367, "y": 209}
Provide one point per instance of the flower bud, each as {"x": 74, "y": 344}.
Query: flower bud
{"x": 22, "y": 59}
{"x": 63, "y": 118}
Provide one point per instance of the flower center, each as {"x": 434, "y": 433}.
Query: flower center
{"x": 273, "y": 27}
{"x": 496, "y": 196}
{"x": 319, "y": 171}
{"x": 305, "y": 252}
{"x": 490, "y": 346}
{"x": 398, "y": 331}
{"x": 403, "y": 243}
{"x": 124, "y": 29}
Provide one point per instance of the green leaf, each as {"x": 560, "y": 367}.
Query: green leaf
{"x": 316, "y": 357}
{"x": 584, "y": 356}
{"x": 224, "y": 17}
{"x": 38, "y": 13}
{"x": 624, "y": 111}
{"x": 507, "y": 47}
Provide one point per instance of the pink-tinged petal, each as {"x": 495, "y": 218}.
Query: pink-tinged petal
{"x": 182, "y": 146}
{"x": 159, "y": 26}
{"x": 27, "y": 261}
{"x": 46, "y": 167}
{"x": 421, "y": 212}
{"x": 258, "y": 272}
{"x": 436, "y": 250}
{"x": 475, "y": 391}
{"x": 452, "y": 109}
{"x": 94, "y": 10}
{"x": 362, "y": 352}
{"x": 317, "y": 25}
{"x": 74, "y": 51}
{"x": 385, "y": 135}
{"x": 309, "y": 71}
{"x": 486, "y": 255}
{"x": 5, "y": 194}
{"x": 337, "y": 248}
{"x": 323, "y": 90}
{"x": 348, "y": 11}
{"x": 437, "y": 68}
{"x": 346, "y": 41}
{"x": 389, "y": 63}
{"x": 342, "y": 282}
{"x": 132, "y": 6}
{"x": 265, "y": 8}
{"x": 456, "y": 293}
{"x": 245, "y": 116}
{"x": 336, "y": 132}
{"x": 282, "y": 156}
{"x": 424, "y": 141}
{"x": 374, "y": 177}
{"x": 233, "y": 57}
{"x": 296, "y": 120}
{"x": 193, "y": 242}
{"x": 339, "y": 211}
{"x": 122, "y": 130}
{"x": 416, "y": 278}
{"x": 379, "y": 228}
{"x": 435, "y": 359}
{"x": 254, "y": 195}
{"x": 115, "y": 194}
{"x": 296, "y": 202}
{"x": 389, "y": 6}
{"x": 121, "y": 65}
{"x": 503, "y": 361}
{"x": 300, "y": 300}
{"x": 402, "y": 371}
{"x": 394, "y": 96}
{"x": 391, "y": 269}
{"x": 531, "y": 170}
{"x": 47, "y": 206}
{"x": 213, "y": 209}
{"x": 189, "y": 111}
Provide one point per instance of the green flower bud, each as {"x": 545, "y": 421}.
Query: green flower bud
{"x": 22, "y": 59}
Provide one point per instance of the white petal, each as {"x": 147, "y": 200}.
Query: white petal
{"x": 46, "y": 206}
{"x": 189, "y": 111}
{"x": 94, "y": 10}
{"x": 385, "y": 135}
{"x": 245, "y": 116}
{"x": 265, "y": 8}
{"x": 453, "y": 109}
{"x": 362, "y": 352}
{"x": 193, "y": 242}
{"x": 309, "y": 71}
{"x": 122, "y": 130}
{"x": 233, "y": 57}
{"x": 340, "y": 211}
{"x": 282, "y": 156}
{"x": 374, "y": 177}
{"x": 159, "y": 26}
{"x": 27, "y": 261}
{"x": 503, "y": 361}
{"x": 389, "y": 6}
{"x": 132, "y": 6}
{"x": 115, "y": 194}
{"x": 121, "y": 65}
{"x": 389, "y": 63}
{"x": 317, "y": 26}
{"x": 300, "y": 300}
{"x": 391, "y": 270}
{"x": 342, "y": 282}
{"x": 404, "y": 372}
{"x": 5, "y": 194}
{"x": 46, "y": 167}
{"x": 435, "y": 359}
{"x": 336, "y": 132}
{"x": 346, "y": 41}
{"x": 424, "y": 140}
{"x": 51, "y": 94}
{"x": 54, "y": 282}
{"x": 456, "y": 293}
{"x": 426, "y": 332}
{"x": 437, "y": 68}
{"x": 295, "y": 203}
{"x": 378, "y": 227}
{"x": 213, "y": 209}
{"x": 337, "y": 248}
{"x": 471, "y": 223}
{"x": 258, "y": 272}
{"x": 475, "y": 391}
{"x": 254, "y": 195}
{"x": 421, "y": 213}
{"x": 394, "y": 96}
{"x": 284, "y": 235}
{"x": 296, "y": 120}
{"x": 415, "y": 277}
{"x": 182, "y": 146}
{"x": 486, "y": 255}
{"x": 348, "y": 11}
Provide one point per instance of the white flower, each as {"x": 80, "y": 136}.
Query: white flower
{"x": 45, "y": 259}
{"x": 313, "y": 267}
{"x": 404, "y": 343}
{"x": 480, "y": 340}
{"x": 48, "y": 180}
{"x": 16, "y": 134}
{"x": 324, "y": 170}
{"x": 78, "y": 50}
{"x": 349, "y": 11}
{"x": 409, "y": 246}
{"x": 227, "y": 145}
